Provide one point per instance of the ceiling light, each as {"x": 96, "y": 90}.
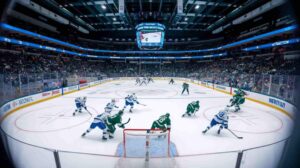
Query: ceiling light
{"x": 186, "y": 19}
{"x": 103, "y": 7}
{"x": 197, "y": 6}
{"x": 114, "y": 19}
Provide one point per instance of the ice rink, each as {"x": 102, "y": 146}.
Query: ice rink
{"x": 50, "y": 124}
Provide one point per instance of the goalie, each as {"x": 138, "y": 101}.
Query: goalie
{"x": 192, "y": 108}
{"x": 163, "y": 123}
{"x": 238, "y": 99}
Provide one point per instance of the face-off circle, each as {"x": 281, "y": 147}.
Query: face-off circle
{"x": 52, "y": 118}
{"x": 248, "y": 120}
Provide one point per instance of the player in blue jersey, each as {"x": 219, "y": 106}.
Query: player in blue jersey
{"x": 80, "y": 103}
{"x": 219, "y": 119}
{"x": 100, "y": 122}
{"x": 110, "y": 106}
{"x": 130, "y": 100}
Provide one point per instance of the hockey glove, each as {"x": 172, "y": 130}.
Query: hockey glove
{"x": 164, "y": 129}
{"x": 122, "y": 126}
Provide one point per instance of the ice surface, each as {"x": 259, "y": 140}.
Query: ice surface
{"x": 51, "y": 125}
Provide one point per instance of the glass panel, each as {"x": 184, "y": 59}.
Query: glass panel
{"x": 77, "y": 160}
{"x": 255, "y": 157}
{"x": 27, "y": 156}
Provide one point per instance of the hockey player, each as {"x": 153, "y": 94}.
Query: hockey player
{"x": 80, "y": 103}
{"x": 137, "y": 81}
{"x": 129, "y": 101}
{"x": 100, "y": 122}
{"x": 185, "y": 87}
{"x": 221, "y": 118}
{"x": 163, "y": 123}
{"x": 192, "y": 108}
{"x": 150, "y": 80}
{"x": 171, "y": 81}
{"x": 110, "y": 106}
{"x": 144, "y": 81}
{"x": 237, "y": 99}
{"x": 112, "y": 121}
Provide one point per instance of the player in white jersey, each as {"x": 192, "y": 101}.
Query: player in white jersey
{"x": 137, "y": 81}
{"x": 100, "y": 122}
{"x": 110, "y": 106}
{"x": 221, "y": 118}
{"x": 80, "y": 103}
{"x": 144, "y": 81}
{"x": 129, "y": 101}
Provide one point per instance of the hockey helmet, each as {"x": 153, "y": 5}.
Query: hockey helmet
{"x": 167, "y": 114}
{"x": 121, "y": 112}
{"x": 84, "y": 97}
{"x": 113, "y": 100}
{"x": 226, "y": 109}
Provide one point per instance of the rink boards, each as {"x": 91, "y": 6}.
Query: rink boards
{"x": 187, "y": 158}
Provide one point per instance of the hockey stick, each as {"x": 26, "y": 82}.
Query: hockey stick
{"x": 126, "y": 122}
{"x": 142, "y": 104}
{"x": 88, "y": 111}
{"x": 234, "y": 134}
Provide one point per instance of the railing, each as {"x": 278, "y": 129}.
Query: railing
{"x": 33, "y": 156}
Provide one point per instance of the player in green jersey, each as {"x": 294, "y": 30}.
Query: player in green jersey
{"x": 112, "y": 121}
{"x": 171, "y": 81}
{"x": 192, "y": 108}
{"x": 163, "y": 123}
{"x": 238, "y": 99}
{"x": 185, "y": 87}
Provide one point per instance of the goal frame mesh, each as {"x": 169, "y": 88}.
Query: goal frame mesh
{"x": 144, "y": 133}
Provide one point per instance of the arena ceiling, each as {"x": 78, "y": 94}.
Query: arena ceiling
{"x": 196, "y": 15}
{"x": 189, "y": 23}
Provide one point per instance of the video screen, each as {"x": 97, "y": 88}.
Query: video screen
{"x": 152, "y": 37}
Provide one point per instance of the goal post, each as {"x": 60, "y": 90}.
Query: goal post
{"x": 146, "y": 143}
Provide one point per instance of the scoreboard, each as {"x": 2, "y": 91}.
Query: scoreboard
{"x": 150, "y": 36}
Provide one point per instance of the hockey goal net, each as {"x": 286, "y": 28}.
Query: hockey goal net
{"x": 146, "y": 143}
